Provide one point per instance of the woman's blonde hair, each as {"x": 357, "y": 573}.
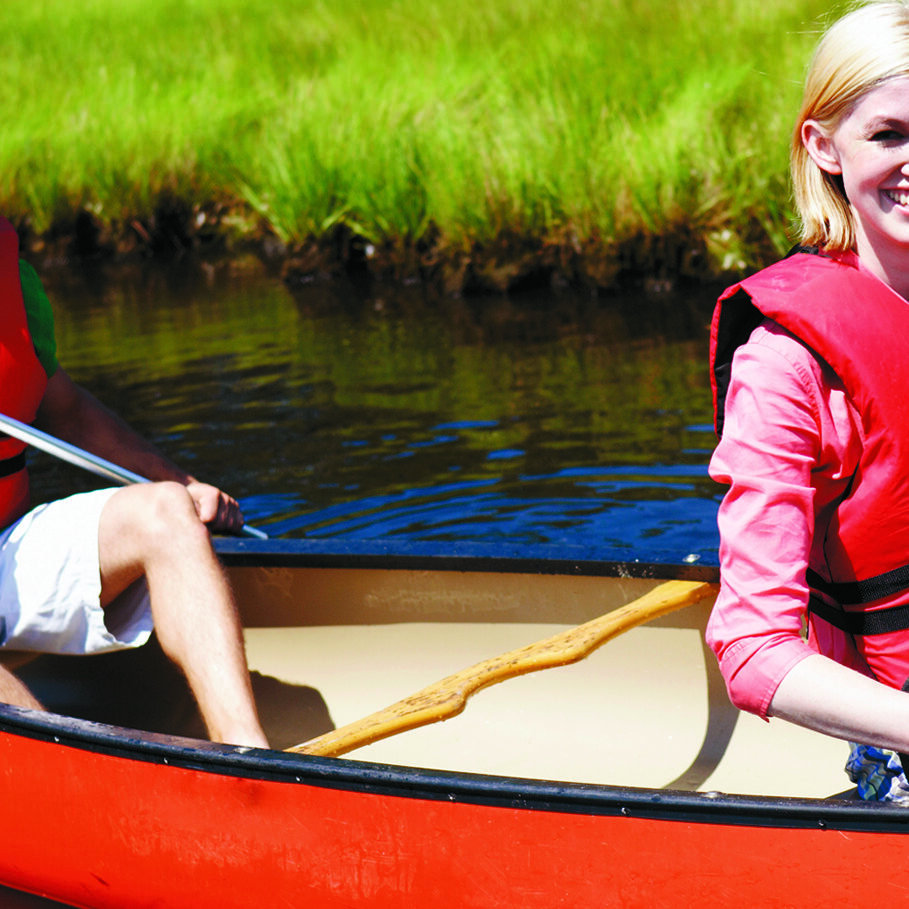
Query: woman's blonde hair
{"x": 866, "y": 47}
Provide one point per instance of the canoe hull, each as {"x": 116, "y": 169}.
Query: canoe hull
{"x": 102, "y": 816}
{"x": 165, "y": 826}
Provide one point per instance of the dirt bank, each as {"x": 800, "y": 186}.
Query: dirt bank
{"x": 221, "y": 234}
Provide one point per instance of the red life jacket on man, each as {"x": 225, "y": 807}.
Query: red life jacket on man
{"x": 860, "y": 327}
{"x": 22, "y": 378}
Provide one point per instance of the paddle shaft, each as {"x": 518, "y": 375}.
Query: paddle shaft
{"x": 447, "y": 698}
{"x": 85, "y": 459}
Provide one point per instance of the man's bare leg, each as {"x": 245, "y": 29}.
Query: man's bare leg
{"x": 152, "y": 531}
{"x": 15, "y": 692}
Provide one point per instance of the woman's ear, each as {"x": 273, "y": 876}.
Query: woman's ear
{"x": 820, "y": 147}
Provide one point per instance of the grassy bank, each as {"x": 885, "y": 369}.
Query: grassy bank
{"x": 475, "y": 145}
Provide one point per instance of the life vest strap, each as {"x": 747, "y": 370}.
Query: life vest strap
{"x": 855, "y": 593}
{"x": 878, "y": 621}
{"x": 9, "y": 466}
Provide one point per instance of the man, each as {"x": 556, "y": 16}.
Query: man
{"x": 94, "y": 572}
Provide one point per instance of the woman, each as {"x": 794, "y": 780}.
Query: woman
{"x": 810, "y": 362}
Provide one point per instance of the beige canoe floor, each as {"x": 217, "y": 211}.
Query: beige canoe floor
{"x": 634, "y": 713}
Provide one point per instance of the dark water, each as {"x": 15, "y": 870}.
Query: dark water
{"x": 562, "y": 421}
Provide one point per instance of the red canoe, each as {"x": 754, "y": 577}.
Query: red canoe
{"x": 623, "y": 780}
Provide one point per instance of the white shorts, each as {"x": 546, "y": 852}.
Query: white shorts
{"x": 50, "y": 584}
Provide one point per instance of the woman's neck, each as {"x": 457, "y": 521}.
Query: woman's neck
{"x": 892, "y": 270}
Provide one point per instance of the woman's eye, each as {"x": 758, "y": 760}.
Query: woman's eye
{"x": 886, "y": 135}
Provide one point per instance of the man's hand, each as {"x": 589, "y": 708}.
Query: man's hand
{"x": 215, "y": 508}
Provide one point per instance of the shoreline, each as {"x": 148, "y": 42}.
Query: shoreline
{"x": 509, "y": 265}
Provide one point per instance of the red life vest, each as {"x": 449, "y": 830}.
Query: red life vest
{"x": 859, "y": 326}
{"x": 22, "y": 378}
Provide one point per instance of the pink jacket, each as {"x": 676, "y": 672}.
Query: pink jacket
{"x": 790, "y": 443}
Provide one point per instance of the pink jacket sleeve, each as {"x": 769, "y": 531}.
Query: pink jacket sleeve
{"x": 791, "y": 441}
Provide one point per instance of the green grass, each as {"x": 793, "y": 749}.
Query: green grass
{"x": 588, "y": 127}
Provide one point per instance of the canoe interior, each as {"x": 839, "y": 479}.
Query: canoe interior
{"x": 329, "y": 644}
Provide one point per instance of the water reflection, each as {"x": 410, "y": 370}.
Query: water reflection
{"x": 560, "y": 420}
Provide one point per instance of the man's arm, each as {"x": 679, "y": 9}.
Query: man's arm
{"x": 71, "y": 413}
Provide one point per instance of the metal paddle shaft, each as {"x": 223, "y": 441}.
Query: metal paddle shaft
{"x": 85, "y": 459}
{"x": 448, "y": 697}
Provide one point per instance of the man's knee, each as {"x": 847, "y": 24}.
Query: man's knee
{"x": 157, "y": 514}
{"x": 148, "y": 528}
{"x": 172, "y": 514}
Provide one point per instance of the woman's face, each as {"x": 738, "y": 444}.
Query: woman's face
{"x": 869, "y": 149}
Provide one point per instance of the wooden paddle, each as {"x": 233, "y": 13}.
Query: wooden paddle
{"x": 86, "y": 460}
{"x": 447, "y": 698}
